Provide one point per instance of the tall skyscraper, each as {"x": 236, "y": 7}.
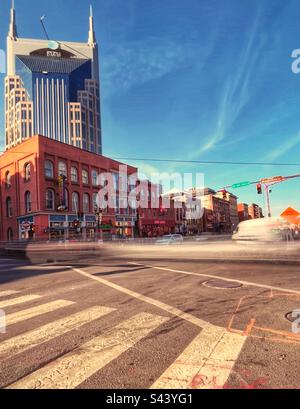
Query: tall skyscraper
{"x": 52, "y": 89}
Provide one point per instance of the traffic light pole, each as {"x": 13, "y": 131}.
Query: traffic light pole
{"x": 267, "y": 190}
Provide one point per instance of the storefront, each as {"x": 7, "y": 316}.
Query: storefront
{"x": 26, "y": 228}
{"x": 125, "y": 227}
{"x": 68, "y": 227}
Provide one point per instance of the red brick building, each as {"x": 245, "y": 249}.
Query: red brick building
{"x": 155, "y": 219}
{"x": 49, "y": 189}
{"x": 243, "y": 211}
{"x": 254, "y": 211}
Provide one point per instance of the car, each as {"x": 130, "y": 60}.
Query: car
{"x": 170, "y": 239}
{"x": 270, "y": 229}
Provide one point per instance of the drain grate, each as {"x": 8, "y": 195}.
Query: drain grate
{"x": 221, "y": 284}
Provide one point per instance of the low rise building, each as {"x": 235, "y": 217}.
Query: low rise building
{"x": 49, "y": 190}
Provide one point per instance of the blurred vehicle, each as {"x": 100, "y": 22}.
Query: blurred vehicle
{"x": 268, "y": 229}
{"x": 170, "y": 239}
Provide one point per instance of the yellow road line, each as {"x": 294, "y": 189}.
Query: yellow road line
{"x": 205, "y": 364}
{"x": 24, "y": 315}
{"x": 52, "y": 330}
{"x": 8, "y": 293}
{"x": 19, "y": 300}
{"x": 72, "y": 369}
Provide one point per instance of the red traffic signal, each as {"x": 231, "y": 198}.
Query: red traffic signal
{"x": 259, "y": 189}
{"x": 224, "y": 193}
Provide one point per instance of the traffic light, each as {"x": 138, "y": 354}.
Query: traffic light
{"x": 76, "y": 224}
{"x": 259, "y": 189}
{"x": 224, "y": 194}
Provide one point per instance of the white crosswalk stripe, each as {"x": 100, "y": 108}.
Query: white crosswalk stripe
{"x": 72, "y": 369}
{"x": 206, "y": 363}
{"x": 33, "y": 312}
{"x": 7, "y": 293}
{"x": 49, "y": 331}
{"x": 19, "y": 300}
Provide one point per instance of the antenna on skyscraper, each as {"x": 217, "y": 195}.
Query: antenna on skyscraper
{"x": 44, "y": 28}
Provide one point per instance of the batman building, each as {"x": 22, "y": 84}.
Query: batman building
{"x": 52, "y": 89}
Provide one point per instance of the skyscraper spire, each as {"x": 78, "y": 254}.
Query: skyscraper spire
{"x": 92, "y": 35}
{"x": 13, "y": 34}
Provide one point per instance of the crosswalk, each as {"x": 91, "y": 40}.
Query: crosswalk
{"x": 208, "y": 350}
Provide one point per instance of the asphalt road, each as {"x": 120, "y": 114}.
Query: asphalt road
{"x": 149, "y": 318}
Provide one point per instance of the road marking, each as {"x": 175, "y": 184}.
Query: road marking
{"x": 206, "y": 363}
{"x": 52, "y": 330}
{"x": 74, "y": 368}
{"x": 8, "y": 293}
{"x": 36, "y": 311}
{"x": 172, "y": 310}
{"x": 19, "y": 300}
{"x": 249, "y": 283}
{"x": 211, "y": 332}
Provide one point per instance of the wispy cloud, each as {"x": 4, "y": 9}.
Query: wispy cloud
{"x": 236, "y": 92}
{"x": 138, "y": 62}
{"x": 283, "y": 148}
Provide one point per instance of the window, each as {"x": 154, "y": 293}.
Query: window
{"x": 7, "y": 179}
{"x": 49, "y": 169}
{"x": 86, "y": 203}
{"x": 9, "y": 234}
{"x": 62, "y": 169}
{"x": 94, "y": 178}
{"x": 74, "y": 174}
{"x": 8, "y": 207}
{"x": 75, "y": 202}
{"x": 27, "y": 172}
{"x": 85, "y": 177}
{"x": 27, "y": 202}
{"x": 50, "y": 200}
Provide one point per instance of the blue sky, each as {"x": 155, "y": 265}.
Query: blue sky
{"x": 190, "y": 79}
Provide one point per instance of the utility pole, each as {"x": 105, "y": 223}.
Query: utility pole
{"x": 267, "y": 190}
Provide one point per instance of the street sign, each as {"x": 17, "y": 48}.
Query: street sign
{"x": 272, "y": 180}
{"x": 241, "y": 184}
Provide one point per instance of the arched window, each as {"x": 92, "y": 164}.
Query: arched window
{"x": 8, "y": 207}
{"x": 75, "y": 202}
{"x": 9, "y": 235}
{"x": 74, "y": 174}
{"x": 8, "y": 179}
{"x": 85, "y": 177}
{"x": 62, "y": 169}
{"x": 94, "y": 177}
{"x": 50, "y": 199}
{"x": 49, "y": 169}
{"x": 86, "y": 202}
{"x": 27, "y": 202}
{"x": 27, "y": 172}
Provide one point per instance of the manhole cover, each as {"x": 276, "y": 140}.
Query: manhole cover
{"x": 289, "y": 316}
{"x": 221, "y": 284}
